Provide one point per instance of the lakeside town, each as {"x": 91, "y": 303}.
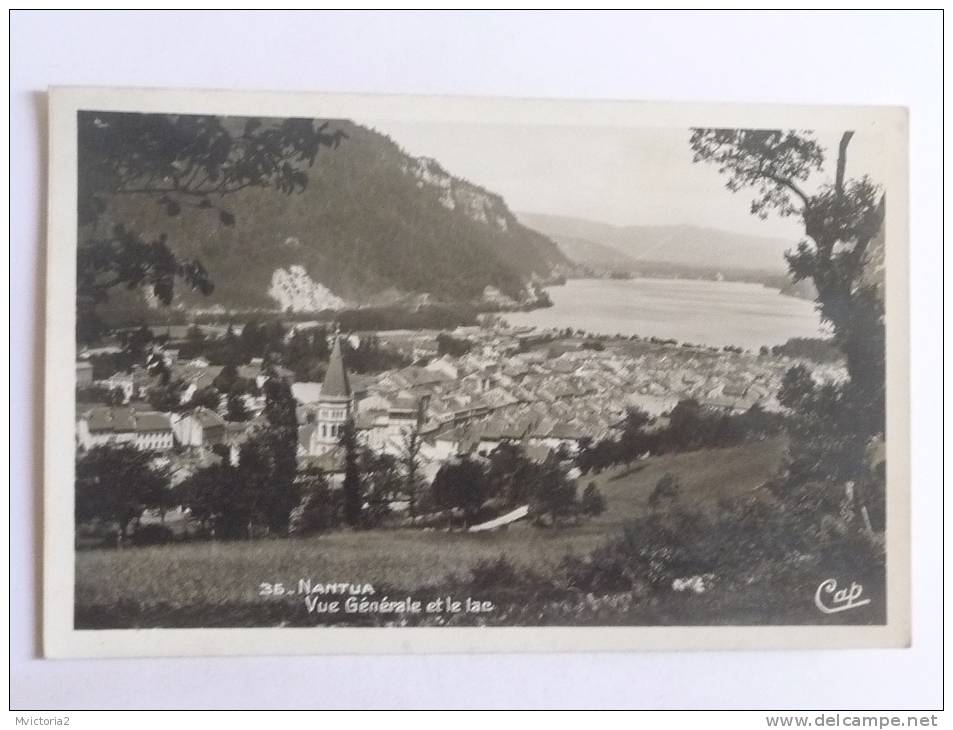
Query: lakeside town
{"x": 549, "y": 391}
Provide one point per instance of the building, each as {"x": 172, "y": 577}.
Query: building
{"x": 200, "y": 427}
{"x": 146, "y": 430}
{"x": 84, "y": 373}
{"x": 101, "y": 426}
{"x": 153, "y": 431}
{"x": 333, "y": 406}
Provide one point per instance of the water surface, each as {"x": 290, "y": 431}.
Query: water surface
{"x": 703, "y": 312}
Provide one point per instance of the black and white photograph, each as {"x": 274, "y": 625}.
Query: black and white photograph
{"x": 385, "y": 367}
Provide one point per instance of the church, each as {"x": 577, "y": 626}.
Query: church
{"x": 335, "y": 405}
{"x": 381, "y": 429}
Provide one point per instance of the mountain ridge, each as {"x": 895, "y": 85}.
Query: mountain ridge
{"x": 678, "y": 244}
{"x": 373, "y": 224}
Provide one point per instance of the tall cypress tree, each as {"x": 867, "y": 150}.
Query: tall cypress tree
{"x": 353, "y": 499}
{"x": 280, "y": 439}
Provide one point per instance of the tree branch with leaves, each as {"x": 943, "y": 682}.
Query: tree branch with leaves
{"x": 840, "y": 220}
{"x": 177, "y": 162}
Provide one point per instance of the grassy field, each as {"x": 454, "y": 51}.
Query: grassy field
{"x": 216, "y": 574}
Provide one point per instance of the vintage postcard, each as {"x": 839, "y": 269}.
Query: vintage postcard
{"x": 334, "y": 373}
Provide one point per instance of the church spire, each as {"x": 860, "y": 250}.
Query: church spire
{"x": 336, "y": 382}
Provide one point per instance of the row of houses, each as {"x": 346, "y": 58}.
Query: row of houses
{"x": 198, "y": 429}
{"x": 193, "y": 375}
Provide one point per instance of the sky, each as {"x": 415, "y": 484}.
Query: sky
{"x": 631, "y": 176}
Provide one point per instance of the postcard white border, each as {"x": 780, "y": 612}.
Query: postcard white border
{"x": 60, "y": 639}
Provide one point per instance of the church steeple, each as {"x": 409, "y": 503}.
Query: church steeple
{"x": 336, "y": 382}
{"x": 334, "y": 403}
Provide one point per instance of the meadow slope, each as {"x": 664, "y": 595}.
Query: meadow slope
{"x": 212, "y": 578}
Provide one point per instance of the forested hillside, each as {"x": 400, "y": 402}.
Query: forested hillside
{"x": 372, "y": 225}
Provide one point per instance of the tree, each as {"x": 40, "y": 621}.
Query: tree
{"x": 278, "y": 446}
{"x": 267, "y": 462}
{"x": 178, "y": 162}
{"x": 220, "y": 499}
{"x": 100, "y": 394}
{"x": 369, "y": 356}
{"x": 632, "y": 443}
{"x": 136, "y": 344}
{"x": 462, "y": 485}
{"x": 307, "y": 354}
{"x": 157, "y": 367}
{"x": 666, "y": 490}
{"x": 796, "y": 385}
{"x": 687, "y": 425}
{"x": 554, "y": 495}
{"x": 166, "y": 397}
{"x": 231, "y": 351}
{"x": 593, "y": 503}
{"x": 117, "y": 483}
{"x": 512, "y": 475}
{"x": 235, "y": 410}
{"x": 298, "y": 354}
{"x": 584, "y": 459}
{"x": 352, "y": 487}
{"x": 409, "y": 459}
{"x": 273, "y": 336}
{"x": 831, "y": 426}
{"x": 383, "y": 482}
{"x": 207, "y": 397}
{"x": 840, "y": 221}
{"x": 227, "y": 379}
{"x": 319, "y": 508}
{"x": 253, "y": 340}
{"x": 194, "y": 335}
{"x": 449, "y": 345}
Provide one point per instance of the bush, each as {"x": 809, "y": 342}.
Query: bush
{"x": 319, "y": 509}
{"x": 499, "y": 573}
{"x": 593, "y": 503}
{"x": 666, "y": 490}
{"x": 153, "y": 535}
{"x": 649, "y": 554}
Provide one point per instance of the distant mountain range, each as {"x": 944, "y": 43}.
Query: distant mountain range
{"x": 373, "y": 226}
{"x": 603, "y": 246}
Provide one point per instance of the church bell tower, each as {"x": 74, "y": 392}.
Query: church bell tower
{"x": 334, "y": 403}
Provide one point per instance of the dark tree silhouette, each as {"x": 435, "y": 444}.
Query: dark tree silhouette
{"x": 220, "y": 499}
{"x": 117, "y": 483}
{"x": 383, "y": 483}
{"x": 512, "y": 475}
{"x": 235, "y": 408}
{"x": 553, "y": 495}
{"x": 409, "y": 459}
{"x": 592, "y": 503}
{"x": 840, "y": 221}
{"x": 632, "y": 442}
{"x": 166, "y": 397}
{"x": 833, "y": 426}
{"x": 666, "y": 491}
{"x": 319, "y": 508}
{"x": 796, "y": 385}
{"x": 352, "y": 487}
{"x": 280, "y": 439}
{"x": 461, "y": 485}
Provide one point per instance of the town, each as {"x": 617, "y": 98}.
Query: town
{"x": 462, "y": 393}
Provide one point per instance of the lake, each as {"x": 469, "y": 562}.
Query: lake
{"x": 702, "y": 312}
